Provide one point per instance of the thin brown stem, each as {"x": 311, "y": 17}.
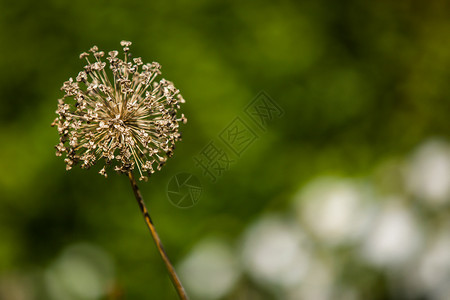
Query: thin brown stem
{"x": 173, "y": 275}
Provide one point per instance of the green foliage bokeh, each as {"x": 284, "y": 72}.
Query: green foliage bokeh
{"x": 358, "y": 82}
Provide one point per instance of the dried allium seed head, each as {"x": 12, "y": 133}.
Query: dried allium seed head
{"x": 122, "y": 116}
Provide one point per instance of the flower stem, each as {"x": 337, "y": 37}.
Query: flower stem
{"x": 173, "y": 275}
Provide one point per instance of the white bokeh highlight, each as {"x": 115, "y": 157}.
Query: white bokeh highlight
{"x": 318, "y": 283}
{"x": 395, "y": 237}
{"x": 427, "y": 173}
{"x": 210, "y": 270}
{"x": 82, "y": 271}
{"x": 433, "y": 268}
{"x": 335, "y": 210}
{"x": 275, "y": 252}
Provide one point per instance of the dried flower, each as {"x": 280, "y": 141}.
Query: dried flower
{"x": 121, "y": 116}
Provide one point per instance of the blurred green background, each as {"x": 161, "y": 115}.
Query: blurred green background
{"x": 344, "y": 196}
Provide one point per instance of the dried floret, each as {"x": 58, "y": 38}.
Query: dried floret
{"x": 118, "y": 113}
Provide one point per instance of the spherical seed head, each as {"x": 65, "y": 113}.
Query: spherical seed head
{"x": 118, "y": 113}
